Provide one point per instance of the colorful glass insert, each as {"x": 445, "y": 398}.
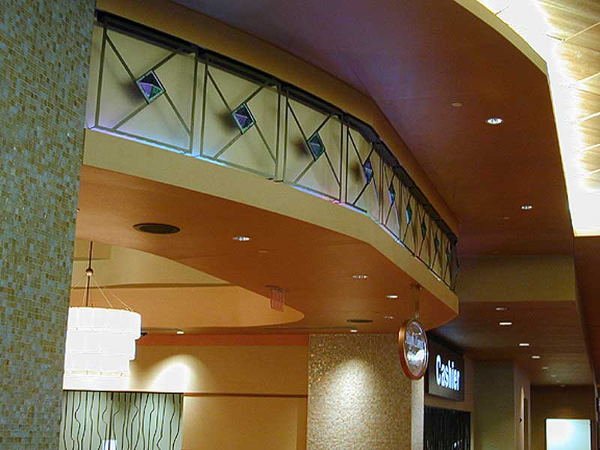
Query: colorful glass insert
{"x": 150, "y": 86}
{"x": 392, "y": 193}
{"x": 315, "y": 145}
{"x": 409, "y": 214}
{"x": 368, "y": 170}
{"x": 243, "y": 117}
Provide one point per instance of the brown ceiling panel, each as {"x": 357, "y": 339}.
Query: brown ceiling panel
{"x": 552, "y": 329}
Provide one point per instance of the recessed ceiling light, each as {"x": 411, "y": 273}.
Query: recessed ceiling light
{"x": 241, "y": 238}
{"x": 391, "y": 296}
{"x": 389, "y": 317}
{"x": 536, "y": 357}
{"x": 180, "y": 332}
{"x": 262, "y": 251}
{"x": 553, "y": 375}
{"x": 505, "y": 324}
{"x": 501, "y": 308}
{"x": 360, "y": 277}
{"x": 359, "y": 321}
{"x": 526, "y": 207}
{"x": 156, "y": 228}
{"x": 457, "y": 104}
{"x": 505, "y": 218}
{"x": 353, "y": 330}
{"x": 494, "y": 121}
{"x": 523, "y": 344}
{"x": 545, "y": 368}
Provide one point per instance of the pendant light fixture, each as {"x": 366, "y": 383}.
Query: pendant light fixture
{"x": 100, "y": 341}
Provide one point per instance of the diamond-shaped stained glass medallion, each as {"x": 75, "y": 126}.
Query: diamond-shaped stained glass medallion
{"x": 150, "y": 86}
{"x": 243, "y": 117}
{"x": 315, "y": 145}
{"x": 392, "y": 193}
{"x": 409, "y": 214}
{"x": 423, "y": 228}
{"x": 368, "y": 170}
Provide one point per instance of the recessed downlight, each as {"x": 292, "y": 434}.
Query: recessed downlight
{"x": 494, "y": 121}
{"x": 553, "y": 375}
{"x": 360, "y": 277}
{"x": 359, "y": 321}
{"x": 242, "y": 238}
{"x": 505, "y": 323}
{"x": 526, "y": 207}
{"x": 536, "y": 357}
{"x": 523, "y": 344}
{"x": 353, "y": 330}
{"x": 545, "y": 368}
{"x": 501, "y": 308}
{"x": 391, "y": 296}
{"x": 457, "y": 104}
{"x": 389, "y": 317}
{"x": 180, "y": 332}
{"x": 156, "y": 228}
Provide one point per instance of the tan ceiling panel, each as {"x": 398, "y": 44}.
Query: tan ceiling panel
{"x": 314, "y": 265}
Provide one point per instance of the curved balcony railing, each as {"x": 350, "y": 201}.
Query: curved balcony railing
{"x": 151, "y": 87}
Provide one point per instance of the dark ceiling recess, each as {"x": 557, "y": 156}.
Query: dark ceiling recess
{"x": 156, "y": 228}
{"x": 359, "y": 321}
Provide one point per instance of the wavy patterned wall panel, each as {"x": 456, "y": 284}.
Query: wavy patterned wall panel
{"x": 121, "y": 420}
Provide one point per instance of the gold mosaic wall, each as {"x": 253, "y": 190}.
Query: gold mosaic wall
{"x": 358, "y": 396}
{"x": 44, "y": 58}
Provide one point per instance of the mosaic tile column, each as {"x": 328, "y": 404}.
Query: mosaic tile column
{"x": 358, "y": 396}
{"x": 44, "y": 59}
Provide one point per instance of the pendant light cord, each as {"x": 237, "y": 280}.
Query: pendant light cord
{"x": 89, "y": 272}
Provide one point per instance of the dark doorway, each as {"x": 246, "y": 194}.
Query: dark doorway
{"x": 446, "y": 429}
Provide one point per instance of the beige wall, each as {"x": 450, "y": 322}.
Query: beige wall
{"x": 359, "y": 397}
{"x": 530, "y": 278}
{"x": 493, "y": 420}
{"x": 549, "y": 402}
{"x": 501, "y": 390}
{"x": 238, "y": 397}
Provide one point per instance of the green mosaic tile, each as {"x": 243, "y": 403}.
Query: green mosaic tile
{"x": 44, "y": 56}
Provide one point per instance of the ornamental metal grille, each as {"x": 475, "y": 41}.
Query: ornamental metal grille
{"x": 183, "y": 98}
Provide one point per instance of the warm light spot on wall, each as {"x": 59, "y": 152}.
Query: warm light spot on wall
{"x": 173, "y": 375}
